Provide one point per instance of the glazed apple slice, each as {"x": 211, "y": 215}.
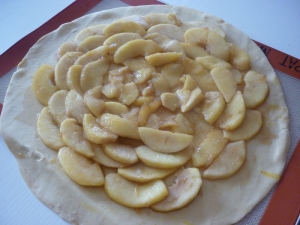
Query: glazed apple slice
{"x": 115, "y": 108}
{"x": 249, "y": 127}
{"x": 239, "y": 58}
{"x": 233, "y": 114}
{"x": 132, "y": 194}
{"x": 89, "y": 31}
{"x": 256, "y": 89}
{"x": 118, "y": 125}
{"x": 43, "y": 83}
{"x": 225, "y": 82}
{"x": 92, "y": 99}
{"x": 135, "y": 48}
{"x": 62, "y": 68}
{"x": 92, "y": 74}
{"x": 92, "y": 56}
{"x": 164, "y": 141}
{"x": 94, "y": 132}
{"x": 75, "y": 106}
{"x": 123, "y": 26}
{"x": 213, "y": 42}
{"x": 57, "y": 106}
{"x": 209, "y": 148}
{"x": 213, "y": 106}
{"x": 162, "y": 160}
{"x": 142, "y": 173}
{"x": 72, "y": 135}
{"x": 102, "y": 158}
{"x": 121, "y": 153}
{"x": 228, "y": 162}
{"x": 48, "y": 130}
{"x": 185, "y": 189}
{"x": 79, "y": 168}
{"x": 116, "y": 40}
{"x": 161, "y": 59}
{"x": 91, "y": 43}
{"x": 73, "y": 78}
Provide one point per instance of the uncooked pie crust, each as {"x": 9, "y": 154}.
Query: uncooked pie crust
{"x": 220, "y": 202}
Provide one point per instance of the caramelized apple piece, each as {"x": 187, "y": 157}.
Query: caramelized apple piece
{"x": 164, "y": 141}
{"x": 131, "y": 194}
{"x": 79, "y": 168}
{"x": 48, "y": 130}
{"x": 43, "y": 83}
{"x": 228, "y": 162}
{"x": 185, "y": 189}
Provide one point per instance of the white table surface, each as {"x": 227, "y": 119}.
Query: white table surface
{"x": 281, "y": 20}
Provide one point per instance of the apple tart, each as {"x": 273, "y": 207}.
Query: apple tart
{"x": 151, "y": 115}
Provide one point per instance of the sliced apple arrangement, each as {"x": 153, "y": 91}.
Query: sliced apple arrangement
{"x": 151, "y": 100}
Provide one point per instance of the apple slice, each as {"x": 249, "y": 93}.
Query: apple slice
{"x": 116, "y": 40}
{"x": 193, "y": 50}
{"x": 73, "y": 78}
{"x": 210, "y": 62}
{"x": 116, "y": 108}
{"x": 185, "y": 189}
{"x": 169, "y": 30}
{"x": 92, "y": 56}
{"x": 92, "y": 99}
{"x": 135, "y": 48}
{"x": 233, "y": 114}
{"x": 228, "y": 162}
{"x": 62, "y": 68}
{"x": 239, "y": 58}
{"x": 170, "y": 101}
{"x": 72, "y": 135}
{"x": 48, "y": 130}
{"x": 161, "y": 59}
{"x": 75, "y": 106}
{"x": 129, "y": 93}
{"x": 123, "y": 26}
{"x": 102, "y": 158}
{"x": 163, "y": 160}
{"x": 164, "y": 141}
{"x": 256, "y": 89}
{"x": 142, "y": 173}
{"x": 195, "y": 98}
{"x": 225, "y": 82}
{"x": 89, "y": 31}
{"x": 57, "y": 106}
{"x": 172, "y": 72}
{"x": 138, "y": 64}
{"x": 146, "y": 110}
{"x": 94, "y": 132}
{"x": 153, "y": 19}
{"x": 66, "y": 47}
{"x": 79, "y": 168}
{"x": 43, "y": 83}
{"x": 121, "y": 153}
{"x": 132, "y": 194}
{"x": 183, "y": 125}
{"x": 213, "y": 106}
{"x": 249, "y": 127}
{"x": 91, "y": 43}
{"x": 92, "y": 74}
{"x": 209, "y": 148}
{"x": 118, "y": 125}
{"x": 213, "y": 42}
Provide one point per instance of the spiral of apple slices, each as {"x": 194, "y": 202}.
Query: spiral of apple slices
{"x": 152, "y": 100}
